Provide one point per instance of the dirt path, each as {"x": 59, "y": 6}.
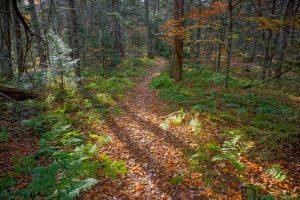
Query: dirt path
{"x": 153, "y": 156}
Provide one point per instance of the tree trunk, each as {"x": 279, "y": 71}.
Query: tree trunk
{"x": 285, "y": 36}
{"x": 229, "y": 42}
{"x": 198, "y": 45}
{"x": 253, "y": 50}
{"x": 19, "y": 47}
{"x": 150, "y": 53}
{"x": 219, "y": 51}
{"x": 37, "y": 30}
{"x": 6, "y": 70}
{"x": 74, "y": 38}
{"x": 116, "y": 30}
{"x": 177, "y": 49}
{"x": 16, "y": 93}
{"x": 268, "y": 56}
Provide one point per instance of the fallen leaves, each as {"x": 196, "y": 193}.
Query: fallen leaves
{"x": 153, "y": 158}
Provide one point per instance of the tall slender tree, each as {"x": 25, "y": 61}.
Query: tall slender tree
{"x": 19, "y": 46}
{"x": 6, "y": 69}
{"x": 37, "y": 30}
{"x": 232, "y": 4}
{"x": 116, "y": 29}
{"x": 74, "y": 38}
{"x": 150, "y": 53}
{"x": 177, "y": 48}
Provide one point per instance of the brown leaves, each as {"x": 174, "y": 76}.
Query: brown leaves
{"x": 174, "y": 28}
{"x": 197, "y": 179}
{"x": 152, "y": 159}
{"x": 213, "y": 9}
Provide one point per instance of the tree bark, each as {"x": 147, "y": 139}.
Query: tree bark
{"x": 285, "y": 35}
{"x": 177, "y": 49}
{"x": 37, "y": 30}
{"x": 219, "y": 51}
{"x": 6, "y": 69}
{"x": 74, "y": 39}
{"x": 16, "y": 93}
{"x": 268, "y": 56}
{"x": 19, "y": 47}
{"x": 198, "y": 45}
{"x": 150, "y": 53}
{"x": 116, "y": 30}
{"x": 229, "y": 42}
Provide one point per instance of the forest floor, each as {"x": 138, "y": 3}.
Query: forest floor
{"x": 159, "y": 159}
{"x": 164, "y": 159}
{"x": 16, "y": 140}
{"x": 153, "y": 156}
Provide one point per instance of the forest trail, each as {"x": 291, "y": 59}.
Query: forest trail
{"x": 153, "y": 156}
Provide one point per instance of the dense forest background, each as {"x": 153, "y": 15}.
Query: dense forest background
{"x": 218, "y": 80}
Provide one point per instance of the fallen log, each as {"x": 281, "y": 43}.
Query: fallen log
{"x": 16, "y": 93}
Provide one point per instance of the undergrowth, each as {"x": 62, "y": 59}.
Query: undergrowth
{"x": 269, "y": 118}
{"x": 256, "y": 123}
{"x": 69, "y": 159}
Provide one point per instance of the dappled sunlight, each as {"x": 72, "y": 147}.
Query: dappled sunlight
{"x": 150, "y": 100}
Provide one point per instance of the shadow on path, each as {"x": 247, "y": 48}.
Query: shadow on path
{"x": 163, "y": 176}
{"x": 176, "y": 142}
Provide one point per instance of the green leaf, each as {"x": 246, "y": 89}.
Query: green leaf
{"x": 176, "y": 180}
{"x": 276, "y": 171}
{"x": 4, "y": 136}
{"x": 7, "y": 182}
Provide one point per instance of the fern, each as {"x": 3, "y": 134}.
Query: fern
{"x": 100, "y": 139}
{"x": 112, "y": 168}
{"x": 7, "y": 182}
{"x": 86, "y": 151}
{"x": 276, "y": 171}
{"x": 195, "y": 125}
{"x": 176, "y": 180}
{"x": 72, "y": 141}
{"x": 161, "y": 81}
{"x": 71, "y": 166}
{"x": 4, "y": 136}
{"x": 24, "y": 165}
{"x": 232, "y": 149}
{"x": 175, "y": 118}
{"x": 255, "y": 192}
{"x": 81, "y": 186}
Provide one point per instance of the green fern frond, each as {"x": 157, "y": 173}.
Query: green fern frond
{"x": 232, "y": 149}
{"x": 24, "y": 165}
{"x": 111, "y": 168}
{"x": 88, "y": 150}
{"x": 81, "y": 186}
{"x": 72, "y": 141}
{"x": 276, "y": 171}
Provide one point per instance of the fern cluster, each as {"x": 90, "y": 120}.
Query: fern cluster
{"x": 175, "y": 118}
{"x": 65, "y": 165}
{"x": 231, "y": 150}
{"x": 276, "y": 171}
